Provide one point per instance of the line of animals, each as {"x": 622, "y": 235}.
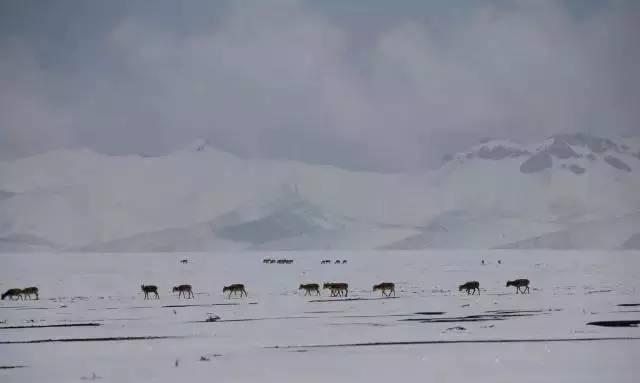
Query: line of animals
{"x": 337, "y": 289}
{"x": 279, "y": 261}
{"x": 337, "y": 261}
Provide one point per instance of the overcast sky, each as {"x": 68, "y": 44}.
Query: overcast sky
{"x": 380, "y": 85}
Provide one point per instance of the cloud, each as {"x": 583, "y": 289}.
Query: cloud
{"x": 290, "y": 80}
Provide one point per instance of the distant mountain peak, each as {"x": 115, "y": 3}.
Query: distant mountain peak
{"x": 575, "y": 152}
{"x": 198, "y": 145}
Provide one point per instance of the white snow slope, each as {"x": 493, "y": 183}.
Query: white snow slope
{"x": 201, "y": 199}
{"x": 429, "y": 332}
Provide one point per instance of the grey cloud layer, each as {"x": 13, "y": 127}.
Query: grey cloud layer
{"x": 292, "y": 79}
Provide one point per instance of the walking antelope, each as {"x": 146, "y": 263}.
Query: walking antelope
{"x": 337, "y": 289}
{"x": 470, "y": 286}
{"x": 519, "y": 283}
{"x": 184, "y": 290}
{"x": 309, "y": 288}
{"x": 386, "y": 288}
{"x": 13, "y": 294}
{"x": 149, "y": 289}
{"x": 29, "y": 291}
{"x": 235, "y": 288}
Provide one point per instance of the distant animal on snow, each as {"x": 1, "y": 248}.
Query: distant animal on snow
{"x": 337, "y": 289}
{"x": 386, "y": 288}
{"x": 344, "y": 261}
{"x": 27, "y": 292}
{"x": 285, "y": 261}
{"x": 309, "y": 288}
{"x": 470, "y": 286}
{"x": 13, "y": 294}
{"x": 184, "y": 261}
{"x": 266, "y": 260}
{"x": 482, "y": 262}
{"x": 518, "y": 284}
{"x": 337, "y": 262}
{"x": 234, "y": 289}
{"x": 184, "y": 290}
{"x": 150, "y": 289}
{"x": 325, "y": 261}
{"x": 499, "y": 262}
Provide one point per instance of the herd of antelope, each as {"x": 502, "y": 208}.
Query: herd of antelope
{"x": 336, "y": 289}
{"x": 340, "y": 289}
{"x": 27, "y": 292}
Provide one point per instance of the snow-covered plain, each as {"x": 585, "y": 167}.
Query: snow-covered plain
{"x": 569, "y": 289}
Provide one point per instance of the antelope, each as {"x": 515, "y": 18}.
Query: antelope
{"x": 309, "y": 288}
{"x": 29, "y": 291}
{"x": 386, "y": 288}
{"x": 183, "y": 290}
{"x": 148, "y": 289}
{"x": 235, "y": 288}
{"x": 325, "y": 261}
{"x": 344, "y": 261}
{"x": 518, "y": 283}
{"x": 337, "y": 262}
{"x": 184, "y": 261}
{"x": 337, "y": 289}
{"x": 13, "y": 294}
{"x": 266, "y": 260}
{"x": 469, "y": 286}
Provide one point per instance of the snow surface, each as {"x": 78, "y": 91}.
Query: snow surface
{"x": 568, "y": 290}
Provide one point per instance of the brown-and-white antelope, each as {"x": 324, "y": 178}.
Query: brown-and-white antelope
{"x": 234, "y": 289}
{"x": 337, "y": 289}
{"x": 150, "y": 289}
{"x": 184, "y": 291}
{"x": 519, "y": 283}
{"x": 470, "y": 286}
{"x": 386, "y": 288}
{"x": 309, "y": 288}
{"x": 27, "y": 292}
{"x": 13, "y": 294}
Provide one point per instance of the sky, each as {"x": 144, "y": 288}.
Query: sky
{"x": 368, "y": 85}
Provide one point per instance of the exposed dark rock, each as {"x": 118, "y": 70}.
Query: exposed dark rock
{"x": 536, "y": 163}
{"x": 596, "y": 144}
{"x": 500, "y": 152}
{"x": 577, "y": 169}
{"x": 617, "y": 163}
{"x": 561, "y": 150}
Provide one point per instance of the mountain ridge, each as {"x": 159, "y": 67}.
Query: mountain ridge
{"x": 202, "y": 198}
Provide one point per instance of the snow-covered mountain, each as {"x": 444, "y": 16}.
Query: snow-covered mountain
{"x": 497, "y": 194}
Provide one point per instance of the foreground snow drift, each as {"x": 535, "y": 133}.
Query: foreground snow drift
{"x": 92, "y": 321}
